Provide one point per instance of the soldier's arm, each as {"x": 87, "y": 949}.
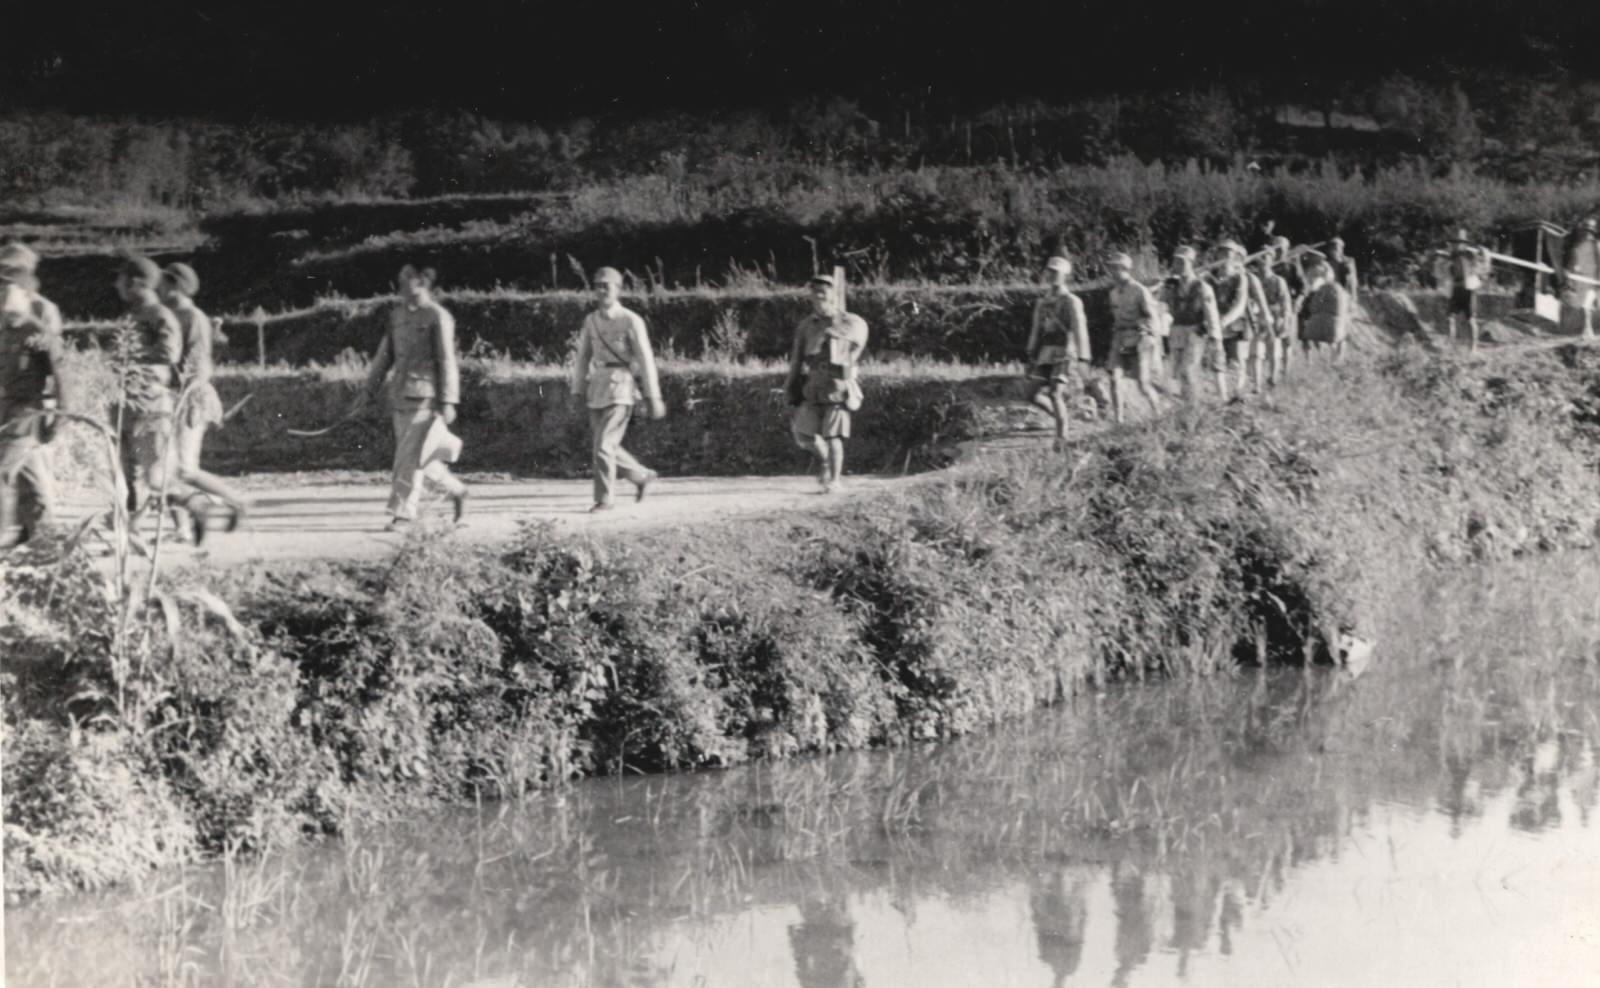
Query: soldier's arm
{"x": 1034, "y": 331}
{"x": 1354, "y": 281}
{"x": 580, "y": 369}
{"x": 171, "y": 340}
{"x": 1147, "y": 310}
{"x": 647, "y": 361}
{"x": 1213, "y": 318}
{"x": 381, "y": 362}
{"x": 447, "y": 384}
{"x": 197, "y": 349}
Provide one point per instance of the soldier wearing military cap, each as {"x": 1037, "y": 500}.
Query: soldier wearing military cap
{"x": 1058, "y": 344}
{"x": 32, "y": 378}
{"x": 149, "y": 395}
{"x": 1343, "y": 268}
{"x": 1196, "y": 324}
{"x": 1135, "y": 335}
{"x": 612, "y": 343}
{"x": 417, "y": 361}
{"x": 1469, "y": 268}
{"x": 1240, "y": 303}
{"x": 1278, "y": 318}
{"x": 200, "y": 406}
{"x": 822, "y": 385}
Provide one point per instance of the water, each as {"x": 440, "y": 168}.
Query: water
{"x": 1432, "y": 823}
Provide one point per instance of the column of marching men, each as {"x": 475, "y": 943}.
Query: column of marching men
{"x": 1251, "y": 317}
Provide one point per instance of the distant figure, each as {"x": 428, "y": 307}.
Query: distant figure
{"x": 1135, "y": 336}
{"x": 424, "y": 389}
{"x": 1582, "y": 258}
{"x": 611, "y": 343}
{"x": 31, "y": 377}
{"x": 1058, "y": 342}
{"x": 1325, "y": 311}
{"x": 822, "y": 385}
{"x": 1196, "y": 326}
{"x": 1469, "y": 266}
{"x": 1235, "y": 295}
{"x": 1343, "y": 268}
{"x": 1279, "y": 317}
{"x": 201, "y": 406}
{"x": 150, "y": 389}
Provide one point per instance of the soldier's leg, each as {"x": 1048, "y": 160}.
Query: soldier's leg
{"x": 835, "y": 459}
{"x": 411, "y": 420}
{"x": 37, "y": 494}
{"x": 1060, "y": 411}
{"x": 189, "y": 440}
{"x": 806, "y": 428}
{"x": 13, "y": 453}
{"x": 1116, "y": 387}
{"x": 627, "y": 466}
{"x": 1146, "y": 362}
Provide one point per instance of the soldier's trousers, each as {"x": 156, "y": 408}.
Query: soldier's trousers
{"x": 146, "y": 455}
{"x": 27, "y": 488}
{"x": 607, "y": 426}
{"x": 411, "y": 422}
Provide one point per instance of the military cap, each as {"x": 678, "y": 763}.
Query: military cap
{"x": 19, "y": 256}
{"x": 1280, "y": 243}
{"x": 143, "y": 270}
{"x": 608, "y": 276}
{"x": 1058, "y": 263}
{"x": 1232, "y": 247}
{"x": 821, "y": 279}
{"x": 1120, "y": 260}
{"x": 1590, "y": 224}
{"x": 1339, "y": 241}
{"x": 181, "y": 277}
{"x": 1312, "y": 258}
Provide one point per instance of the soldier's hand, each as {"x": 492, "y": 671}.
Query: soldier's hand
{"x": 447, "y": 412}
{"x": 658, "y": 409}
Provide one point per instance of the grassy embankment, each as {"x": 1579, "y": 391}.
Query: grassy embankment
{"x": 1172, "y": 548}
{"x": 768, "y": 224}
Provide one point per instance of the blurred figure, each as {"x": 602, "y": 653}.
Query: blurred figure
{"x": 1469, "y": 266}
{"x": 31, "y": 378}
{"x": 1325, "y": 311}
{"x": 201, "y": 406}
{"x": 1343, "y": 267}
{"x": 149, "y": 396}
{"x": 1582, "y": 258}
{"x": 1135, "y": 341}
{"x": 1196, "y": 325}
{"x": 611, "y": 342}
{"x": 1278, "y": 330}
{"x": 1235, "y": 294}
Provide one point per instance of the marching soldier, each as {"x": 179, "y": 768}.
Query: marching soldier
{"x": 1057, "y": 342}
{"x": 611, "y": 342}
{"x": 1196, "y": 326}
{"x": 1135, "y": 338}
{"x": 1235, "y": 295}
{"x": 201, "y": 407}
{"x": 149, "y": 394}
{"x": 1582, "y": 258}
{"x": 1325, "y": 311}
{"x": 1343, "y": 268}
{"x": 30, "y": 369}
{"x": 419, "y": 347}
{"x": 1278, "y": 331}
{"x": 1469, "y": 265}
{"x": 822, "y": 385}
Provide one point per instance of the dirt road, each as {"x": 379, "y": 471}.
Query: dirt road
{"x": 345, "y": 520}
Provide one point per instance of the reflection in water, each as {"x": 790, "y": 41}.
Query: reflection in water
{"x": 1429, "y": 824}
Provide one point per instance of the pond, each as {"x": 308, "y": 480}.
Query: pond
{"x": 1429, "y": 823}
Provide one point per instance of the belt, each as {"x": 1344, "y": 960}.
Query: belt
{"x": 613, "y": 365}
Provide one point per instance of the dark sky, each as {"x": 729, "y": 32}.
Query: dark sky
{"x": 551, "y": 60}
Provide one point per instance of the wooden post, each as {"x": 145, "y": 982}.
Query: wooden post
{"x": 259, "y": 317}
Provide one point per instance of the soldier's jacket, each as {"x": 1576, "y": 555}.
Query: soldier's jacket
{"x": 1060, "y": 331}
{"x": 30, "y": 358}
{"x": 1133, "y": 309}
{"x": 1468, "y": 268}
{"x": 610, "y": 348}
{"x": 1344, "y": 271}
{"x": 157, "y": 349}
{"x": 1280, "y": 303}
{"x": 420, "y": 347}
{"x": 1233, "y": 301}
{"x": 822, "y": 362}
{"x": 1582, "y": 257}
{"x": 1193, "y": 305}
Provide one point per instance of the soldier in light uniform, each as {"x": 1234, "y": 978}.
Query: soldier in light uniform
{"x": 611, "y": 343}
{"x": 1469, "y": 266}
{"x": 1058, "y": 342}
{"x": 1582, "y": 258}
{"x": 822, "y": 385}
{"x": 200, "y": 406}
{"x": 31, "y": 376}
{"x": 424, "y": 389}
{"x": 1196, "y": 325}
{"x": 1325, "y": 311}
{"x": 149, "y": 396}
{"x": 1235, "y": 295}
{"x": 1343, "y": 268}
{"x": 1135, "y": 339}
{"x": 1279, "y": 330}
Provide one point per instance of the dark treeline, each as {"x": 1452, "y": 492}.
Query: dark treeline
{"x": 1511, "y": 127}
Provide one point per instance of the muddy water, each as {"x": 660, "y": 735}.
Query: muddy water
{"x": 1432, "y": 823}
